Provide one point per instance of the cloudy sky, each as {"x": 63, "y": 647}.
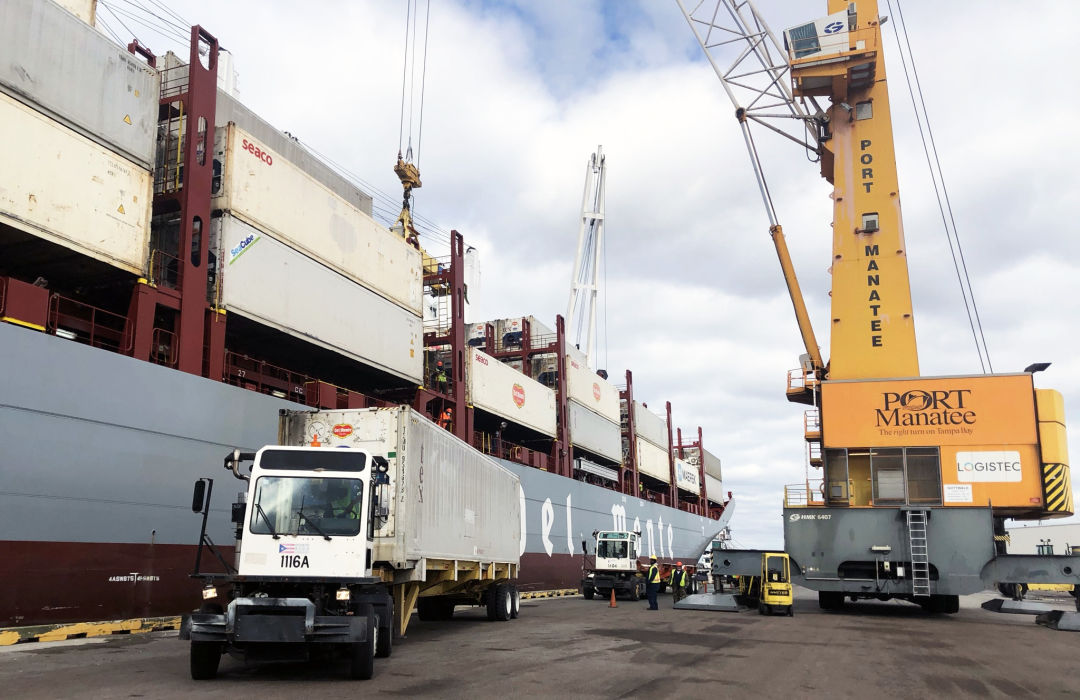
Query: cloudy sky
{"x": 519, "y": 94}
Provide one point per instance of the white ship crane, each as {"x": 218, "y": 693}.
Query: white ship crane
{"x": 584, "y": 282}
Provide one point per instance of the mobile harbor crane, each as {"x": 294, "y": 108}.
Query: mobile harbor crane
{"x": 918, "y": 474}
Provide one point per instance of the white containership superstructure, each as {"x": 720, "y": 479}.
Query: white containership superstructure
{"x": 174, "y": 271}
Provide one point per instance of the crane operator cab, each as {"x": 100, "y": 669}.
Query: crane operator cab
{"x": 776, "y": 592}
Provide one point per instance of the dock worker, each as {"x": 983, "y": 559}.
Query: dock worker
{"x": 446, "y": 419}
{"x": 652, "y": 583}
{"x": 441, "y": 380}
{"x": 678, "y": 581}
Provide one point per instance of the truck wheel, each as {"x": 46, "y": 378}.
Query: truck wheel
{"x": 362, "y": 654}
{"x": 663, "y": 588}
{"x": 588, "y": 593}
{"x": 791, "y": 610}
{"x": 635, "y": 593}
{"x": 205, "y": 657}
{"x": 500, "y": 602}
{"x": 385, "y": 644}
{"x": 516, "y": 601}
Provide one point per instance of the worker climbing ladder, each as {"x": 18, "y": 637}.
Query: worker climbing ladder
{"x": 920, "y": 560}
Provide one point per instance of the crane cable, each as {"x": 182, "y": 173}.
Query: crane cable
{"x": 408, "y": 82}
{"x": 957, "y": 251}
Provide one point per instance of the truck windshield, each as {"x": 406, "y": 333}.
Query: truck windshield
{"x": 612, "y": 549}
{"x": 300, "y": 505}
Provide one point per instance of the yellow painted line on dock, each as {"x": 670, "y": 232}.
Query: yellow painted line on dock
{"x": 557, "y": 593}
{"x": 76, "y": 630}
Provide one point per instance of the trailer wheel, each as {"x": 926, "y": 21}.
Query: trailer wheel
{"x": 588, "y": 593}
{"x": 499, "y": 602}
{"x": 516, "y": 603}
{"x": 362, "y": 654}
{"x": 205, "y": 658}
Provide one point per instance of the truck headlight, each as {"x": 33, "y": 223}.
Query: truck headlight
{"x": 209, "y": 592}
{"x": 343, "y": 594}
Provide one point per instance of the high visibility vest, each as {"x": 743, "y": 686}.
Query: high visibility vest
{"x": 678, "y": 578}
{"x": 654, "y": 574}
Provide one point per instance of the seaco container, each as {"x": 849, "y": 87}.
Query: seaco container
{"x": 263, "y": 188}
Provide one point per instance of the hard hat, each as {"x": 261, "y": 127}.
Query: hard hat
{"x": 438, "y": 364}
{"x": 652, "y": 557}
{"x": 450, "y": 411}
{"x": 678, "y": 563}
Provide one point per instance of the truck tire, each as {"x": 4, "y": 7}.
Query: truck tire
{"x": 516, "y": 597}
{"x": 385, "y": 645}
{"x": 635, "y": 592}
{"x": 362, "y": 654}
{"x": 500, "y": 602}
{"x": 588, "y": 593}
{"x": 205, "y": 658}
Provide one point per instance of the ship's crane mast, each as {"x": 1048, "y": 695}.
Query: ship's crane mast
{"x": 584, "y": 283}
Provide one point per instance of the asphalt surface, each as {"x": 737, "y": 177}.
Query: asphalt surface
{"x": 570, "y": 647}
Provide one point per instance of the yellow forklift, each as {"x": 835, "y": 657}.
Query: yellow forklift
{"x": 772, "y": 589}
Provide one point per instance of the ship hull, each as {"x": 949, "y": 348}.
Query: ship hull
{"x": 100, "y": 455}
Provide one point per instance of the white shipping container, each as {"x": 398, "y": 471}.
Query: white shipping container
{"x": 263, "y": 188}
{"x": 686, "y": 477}
{"x": 59, "y": 185}
{"x": 446, "y": 499}
{"x": 653, "y": 461}
{"x": 594, "y": 433}
{"x": 56, "y": 62}
{"x": 650, "y": 426}
{"x": 591, "y": 390}
{"x": 712, "y": 464}
{"x": 714, "y": 489}
{"x": 268, "y": 281}
{"x": 506, "y": 392}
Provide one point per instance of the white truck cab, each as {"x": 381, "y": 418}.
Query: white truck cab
{"x": 309, "y": 513}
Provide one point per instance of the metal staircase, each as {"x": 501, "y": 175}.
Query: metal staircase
{"x": 920, "y": 560}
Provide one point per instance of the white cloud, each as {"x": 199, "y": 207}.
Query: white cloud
{"x": 519, "y": 95}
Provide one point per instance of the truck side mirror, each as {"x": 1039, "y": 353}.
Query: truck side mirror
{"x": 197, "y": 496}
{"x": 584, "y": 548}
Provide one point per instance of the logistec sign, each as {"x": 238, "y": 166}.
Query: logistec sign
{"x": 988, "y": 466}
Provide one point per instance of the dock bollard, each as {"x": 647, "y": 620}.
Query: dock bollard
{"x": 612, "y": 604}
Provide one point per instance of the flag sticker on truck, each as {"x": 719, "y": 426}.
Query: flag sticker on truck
{"x": 293, "y": 548}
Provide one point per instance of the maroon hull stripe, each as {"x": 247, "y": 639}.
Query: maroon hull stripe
{"x": 53, "y": 582}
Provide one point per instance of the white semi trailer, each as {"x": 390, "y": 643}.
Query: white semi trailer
{"x": 336, "y": 547}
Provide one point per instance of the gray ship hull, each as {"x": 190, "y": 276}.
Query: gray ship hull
{"x": 100, "y": 454}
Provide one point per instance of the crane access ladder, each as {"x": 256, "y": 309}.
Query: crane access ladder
{"x": 920, "y": 556}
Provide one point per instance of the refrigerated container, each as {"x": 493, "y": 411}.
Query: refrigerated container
{"x": 591, "y": 390}
{"x": 653, "y": 461}
{"x": 61, "y": 186}
{"x": 594, "y": 433}
{"x": 447, "y": 500}
{"x": 55, "y": 62}
{"x": 270, "y": 282}
{"x": 714, "y": 489}
{"x": 264, "y": 189}
{"x": 686, "y": 477}
{"x": 499, "y": 389}
{"x": 650, "y": 426}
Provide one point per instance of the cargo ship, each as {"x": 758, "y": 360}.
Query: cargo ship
{"x": 174, "y": 271}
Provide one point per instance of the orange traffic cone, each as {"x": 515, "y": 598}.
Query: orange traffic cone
{"x": 612, "y": 604}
